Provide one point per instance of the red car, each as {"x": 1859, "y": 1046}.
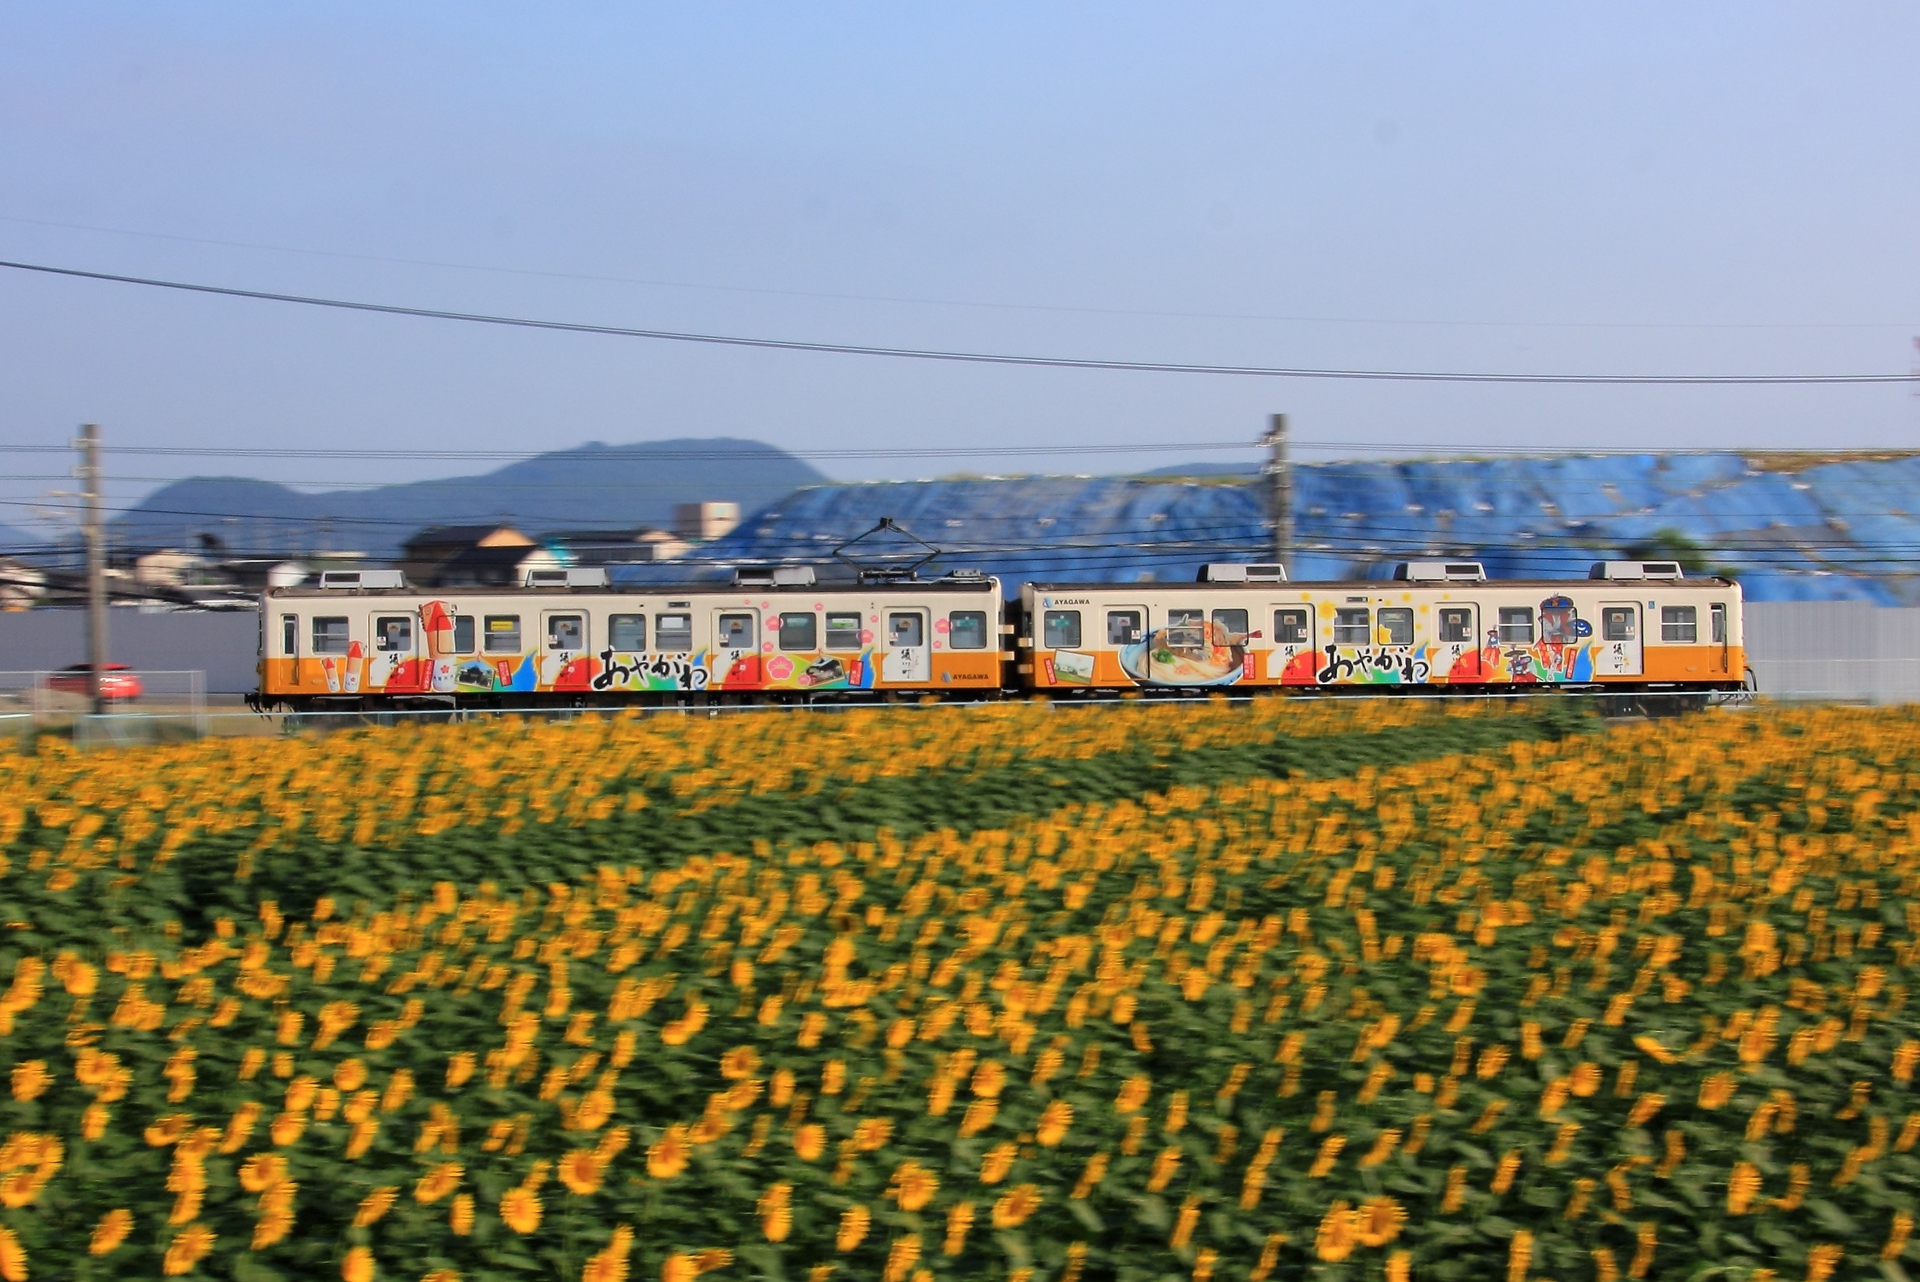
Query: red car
{"x": 117, "y": 681}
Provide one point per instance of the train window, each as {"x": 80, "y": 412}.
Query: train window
{"x": 1456, "y": 624}
{"x": 463, "y": 632}
{"x": 330, "y": 636}
{"x": 800, "y": 631}
{"x": 1187, "y": 629}
{"x": 1617, "y": 623}
{"x": 1060, "y": 630}
{"x": 566, "y": 632}
{"x": 1679, "y": 624}
{"x": 1396, "y": 626}
{"x": 906, "y": 630}
{"x": 1123, "y": 627}
{"x": 1516, "y": 625}
{"x": 1233, "y": 623}
{"x": 843, "y": 632}
{"x": 1290, "y": 627}
{"x": 736, "y": 632}
{"x": 1352, "y": 627}
{"x": 393, "y": 634}
{"x": 1717, "y": 622}
{"x": 627, "y": 633}
{"x": 290, "y": 635}
{"x": 967, "y": 629}
{"x": 502, "y": 634}
{"x": 673, "y": 633}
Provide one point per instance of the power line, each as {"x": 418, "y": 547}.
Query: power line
{"x": 978, "y": 358}
{"x": 951, "y": 302}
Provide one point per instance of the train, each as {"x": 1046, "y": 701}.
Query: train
{"x": 367, "y": 640}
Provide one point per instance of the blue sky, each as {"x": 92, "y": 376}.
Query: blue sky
{"x": 1622, "y": 188}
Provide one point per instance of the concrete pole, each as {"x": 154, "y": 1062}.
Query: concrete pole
{"x": 96, "y": 565}
{"x": 1279, "y": 472}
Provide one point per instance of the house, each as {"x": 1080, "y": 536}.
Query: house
{"x": 21, "y": 584}
{"x": 428, "y": 553}
{"x": 699, "y": 522}
{"x": 617, "y": 547}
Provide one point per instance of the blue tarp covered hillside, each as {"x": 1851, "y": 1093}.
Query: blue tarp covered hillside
{"x": 1809, "y": 530}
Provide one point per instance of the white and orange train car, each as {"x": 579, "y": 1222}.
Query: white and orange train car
{"x": 1631, "y": 625}
{"x": 366, "y": 640}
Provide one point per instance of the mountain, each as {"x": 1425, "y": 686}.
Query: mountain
{"x": 1209, "y": 470}
{"x": 13, "y": 539}
{"x": 593, "y": 486}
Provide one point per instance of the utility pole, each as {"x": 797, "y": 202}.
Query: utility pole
{"x": 1279, "y": 472}
{"x": 89, "y": 444}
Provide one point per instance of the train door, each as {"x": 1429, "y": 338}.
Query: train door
{"x": 908, "y": 658}
{"x": 1293, "y": 660}
{"x": 1619, "y": 653}
{"x": 1126, "y": 633}
{"x": 1717, "y": 633}
{"x": 1456, "y": 643}
{"x": 736, "y": 648}
{"x": 394, "y": 666}
{"x": 565, "y": 656}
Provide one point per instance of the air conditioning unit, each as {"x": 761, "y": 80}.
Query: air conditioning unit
{"x": 1440, "y": 572}
{"x": 1636, "y": 570}
{"x": 1242, "y": 572}
{"x": 773, "y": 576}
{"x": 361, "y": 580}
{"x": 572, "y": 577}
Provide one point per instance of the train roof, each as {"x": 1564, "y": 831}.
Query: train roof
{"x": 966, "y": 585}
{"x": 1630, "y": 586}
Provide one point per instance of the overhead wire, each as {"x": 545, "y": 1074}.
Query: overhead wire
{"x": 651, "y": 282}
{"x": 955, "y": 356}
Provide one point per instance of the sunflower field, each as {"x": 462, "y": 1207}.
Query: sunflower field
{"x": 1341, "y": 990}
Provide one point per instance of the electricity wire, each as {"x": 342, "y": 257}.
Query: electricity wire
{"x": 973, "y": 358}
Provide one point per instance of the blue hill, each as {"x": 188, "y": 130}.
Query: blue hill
{"x": 1800, "y": 528}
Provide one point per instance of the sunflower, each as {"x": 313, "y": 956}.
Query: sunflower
{"x": 272, "y": 1225}
{"x": 913, "y": 1186}
{"x": 989, "y": 1080}
{"x": 460, "y": 1218}
{"x": 357, "y": 1266}
{"x": 13, "y": 1257}
{"x": 459, "y": 1068}
{"x": 1584, "y": 1080}
{"x": 667, "y": 1156}
{"x": 853, "y": 1228}
{"x": 262, "y": 1171}
{"x": 1379, "y": 1221}
{"x": 776, "y": 1211}
{"x": 1334, "y": 1240}
{"x": 112, "y": 1230}
{"x": 996, "y": 1164}
{"x": 679, "y": 1267}
{"x": 1055, "y": 1119}
{"x": 521, "y": 1210}
{"x": 443, "y": 1179}
{"x": 1012, "y": 1208}
{"x": 1133, "y": 1095}
{"x": 374, "y": 1205}
{"x": 810, "y": 1141}
{"x": 581, "y": 1172}
{"x": 189, "y": 1246}
{"x": 872, "y": 1134}
{"x": 739, "y": 1063}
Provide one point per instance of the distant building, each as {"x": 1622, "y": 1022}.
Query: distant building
{"x": 21, "y": 585}
{"x": 700, "y": 522}
{"x": 429, "y": 553}
{"x": 618, "y": 547}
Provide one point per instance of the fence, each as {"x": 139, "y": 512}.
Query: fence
{"x": 170, "y": 705}
{"x": 1848, "y": 651}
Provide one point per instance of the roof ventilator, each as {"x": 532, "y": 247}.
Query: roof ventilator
{"x": 572, "y": 577}
{"x": 1636, "y": 570}
{"x": 1440, "y": 572}
{"x": 1241, "y": 572}
{"x": 361, "y": 580}
{"x": 773, "y": 576}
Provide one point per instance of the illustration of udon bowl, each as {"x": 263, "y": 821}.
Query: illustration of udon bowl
{"x": 1201, "y": 655}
